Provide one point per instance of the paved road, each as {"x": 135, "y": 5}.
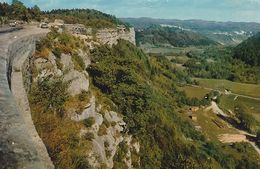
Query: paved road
{"x": 17, "y": 149}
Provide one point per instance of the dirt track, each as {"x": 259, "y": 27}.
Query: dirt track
{"x": 232, "y": 138}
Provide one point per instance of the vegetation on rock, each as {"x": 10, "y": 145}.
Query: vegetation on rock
{"x": 89, "y": 17}
{"x": 248, "y": 51}
{"x": 17, "y": 10}
{"x": 144, "y": 90}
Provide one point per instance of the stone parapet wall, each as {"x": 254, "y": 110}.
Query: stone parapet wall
{"x": 20, "y": 144}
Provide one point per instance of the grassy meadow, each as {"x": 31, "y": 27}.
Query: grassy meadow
{"x": 192, "y": 92}
{"x": 252, "y": 90}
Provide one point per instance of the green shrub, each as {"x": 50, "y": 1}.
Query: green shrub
{"x": 89, "y": 121}
{"x": 113, "y": 123}
{"x": 240, "y": 147}
{"x": 108, "y": 153}
{"x": 50, "y": 94}
{"x": 106, "y": 122}
{"x": 106, "y": 144}
{"x": 247, "y": 121}
{"x": 89, "y": 136}
{"x": 57, "y": 52}
{"x": 102, "y": 130}
{"x": 78, "y": 62}
{"x": 84, "y": 96}
{"x": 80, "y": 161}
{"x": 59, "y": 64}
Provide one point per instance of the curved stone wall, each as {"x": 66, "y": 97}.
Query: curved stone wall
{"x": 20, "y": 144}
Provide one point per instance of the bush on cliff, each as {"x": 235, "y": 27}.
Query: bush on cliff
{"x": 59, "y": 134}
{"x": 50, "y": 94}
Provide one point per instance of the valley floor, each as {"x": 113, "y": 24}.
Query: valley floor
{"x": 211, "y": 120}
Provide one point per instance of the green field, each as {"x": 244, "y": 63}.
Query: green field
{"x": 178, "y": 59}
{"x": 207, "y": 120}
{"x": 209, "y": 128}
{"x": 192, "y": 92}
{"x": 148, "y": 48}
{"x": 227, "y": 102}
{"x": 238, "y": 88}
{"x": 251, "y": 106}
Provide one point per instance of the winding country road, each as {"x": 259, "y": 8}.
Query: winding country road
{"x": 232, "y": 94}
{"x": 20, "y": 145}
{"x": 215, "y": 109}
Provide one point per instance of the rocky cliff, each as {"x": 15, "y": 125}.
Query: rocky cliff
{"x": 110, "y": 36}
{"x": 108, "y": 130}
{"x": 20, "y": 144}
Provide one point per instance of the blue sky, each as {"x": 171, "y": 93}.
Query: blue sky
{"x": 218, "y": 10}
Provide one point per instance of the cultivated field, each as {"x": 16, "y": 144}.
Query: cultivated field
{"x": 238, "y": 88}
{"x": 228, "y": 103}
{"x": 192, "y": 92}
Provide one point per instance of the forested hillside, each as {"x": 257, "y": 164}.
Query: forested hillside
{"x": 144, "y": 90}
{"x": 17, "y": 10}
{"x": 157, "y": 35}
{"x": 199, "y": 25}
{"x": 219, "y": 63}
{"x": 89, "y": 17}
{"x": 225, "y": 33}
{"x": 249, "y": 51}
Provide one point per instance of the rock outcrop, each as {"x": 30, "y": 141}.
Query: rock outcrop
{"x": 110, "y": 36}
{"x": 79, "y": 82}
{"x": 109, "y": 130}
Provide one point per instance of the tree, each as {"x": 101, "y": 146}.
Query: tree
{"x": 247, "y": 121}
{"x": 3, "y": 20}
{"x": 18, "y": 11}
{"x": 4, "y": 9}
{"x": 36, "y": 13}
{"x": 50, "y": 95}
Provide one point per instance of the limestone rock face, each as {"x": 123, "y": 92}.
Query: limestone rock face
{"x": 79, "y": 82}
{"x": 109, "y": 130}
{"x": 106, "y": 144}
{"x": 111, "y": 36}
{"x": 66, "y": 61}
{"x": 84, "y": 57}
{"x": 46, "y": 67}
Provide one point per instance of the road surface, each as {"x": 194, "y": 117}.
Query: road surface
{"x": 17, "y": 146}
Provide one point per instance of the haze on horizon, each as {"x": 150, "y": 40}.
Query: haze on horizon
{"x": 212, "y": 10}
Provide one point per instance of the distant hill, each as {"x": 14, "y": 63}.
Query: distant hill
{"x": 159, "y": 36}
{"x": 249, "y": 51}
{"x": 226, "y": 33}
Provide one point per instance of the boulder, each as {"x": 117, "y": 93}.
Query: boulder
{"x": 67, "y": 62}
{"x": 79, "y": 82}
